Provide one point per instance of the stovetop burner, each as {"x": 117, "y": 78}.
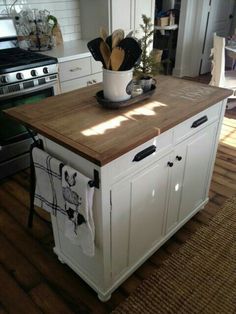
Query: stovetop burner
{"x": 15, "y": 59}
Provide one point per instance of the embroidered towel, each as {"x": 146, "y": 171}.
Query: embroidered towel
{"x": 78, "y": 196}
{"x": 48, "y": 190}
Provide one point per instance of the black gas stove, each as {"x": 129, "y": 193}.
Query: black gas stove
{"x": 18, "y": 65}
{"x": 26, "y": 77}
{"x": 17, "y": 59}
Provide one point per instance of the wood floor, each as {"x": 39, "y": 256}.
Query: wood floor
{"x": 32, "y": 280}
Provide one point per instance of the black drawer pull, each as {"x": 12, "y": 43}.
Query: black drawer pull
{"x": 144, "y": 153}
{"x": 170, "y": 164}
{"x": 199, "y": 122}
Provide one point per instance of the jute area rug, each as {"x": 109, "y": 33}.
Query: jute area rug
{"x": 199, "y": 278}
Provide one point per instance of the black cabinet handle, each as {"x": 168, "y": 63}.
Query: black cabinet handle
{"x": 170, "y": 164}
{"x": 178, "y": 158}
{"x": 144, "y": 153}
{"x": 199, "y": 122}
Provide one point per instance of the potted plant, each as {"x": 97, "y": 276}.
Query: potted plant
{"x": 148, "y": 65}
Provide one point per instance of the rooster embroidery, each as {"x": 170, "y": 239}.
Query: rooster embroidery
{"x": 73, "y": 201}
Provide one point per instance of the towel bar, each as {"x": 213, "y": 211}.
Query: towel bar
{"x": 95, "y": 181}
{"x": 39, "y": 144}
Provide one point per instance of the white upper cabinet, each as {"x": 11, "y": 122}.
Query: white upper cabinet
{"x": 146, "y": 7}
{"x": 122, "y": 15}
{"x": 113, "y": 14}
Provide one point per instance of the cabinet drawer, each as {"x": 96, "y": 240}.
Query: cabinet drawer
{"x": 80, "y": 82}
{"x": 197, "y": 122}
{"x": 74, "y": 69}
{"x": 123, "y": 165}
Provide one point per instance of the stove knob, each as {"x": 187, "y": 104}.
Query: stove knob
{"x": 45, "y": 70}
{"x": 4, "y": 79}
{"x": 19, "y": 76}
{"x": 34, "y": 73}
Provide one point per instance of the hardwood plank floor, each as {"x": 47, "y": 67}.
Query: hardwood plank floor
{"x": 33, "y": 280}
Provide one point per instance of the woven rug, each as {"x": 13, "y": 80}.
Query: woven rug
{"x": 199, "y": 278}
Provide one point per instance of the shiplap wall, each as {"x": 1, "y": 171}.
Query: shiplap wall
{"x": 66, "y": 11}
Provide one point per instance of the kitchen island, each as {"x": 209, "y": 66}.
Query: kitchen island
{"x": 154, "y": 161}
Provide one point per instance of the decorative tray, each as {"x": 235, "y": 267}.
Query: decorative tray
{"x": 119, "y": 104}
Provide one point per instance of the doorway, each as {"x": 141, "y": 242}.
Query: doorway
{"x": 218, "y": 20}
{"x": 167, "y": 14}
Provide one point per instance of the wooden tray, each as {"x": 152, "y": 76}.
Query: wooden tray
{"x": 119, "y": 104}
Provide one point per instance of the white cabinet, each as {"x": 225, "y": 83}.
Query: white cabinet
{"x": 113, "y": 14}
{"x": 79, "y": 73}
{"x": 122, "y": 15}
{"x": 148, "y": 205}
{"x": 198, "y": 157}
{"x": 146, "y": 7}
{"x": 140, "y": 204}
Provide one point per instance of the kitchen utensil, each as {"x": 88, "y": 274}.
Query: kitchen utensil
{"x": 94, "y": 48}
{"x": 130, "y": 34}
{"x": 117, "y": 58}
{"x": 103, "y": 33}
{"x": 106, "y": 53}
{"x": 117, "y": 36}
{"x": 132, "y": 52}
{"x": 109, "y": 41}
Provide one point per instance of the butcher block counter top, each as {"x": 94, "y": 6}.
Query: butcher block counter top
{"x": 76, "y": 121}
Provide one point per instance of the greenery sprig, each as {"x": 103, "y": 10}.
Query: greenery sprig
{"x": 148, "y": 65}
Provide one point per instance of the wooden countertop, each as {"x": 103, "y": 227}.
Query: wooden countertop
{"x": 75, "y": 119}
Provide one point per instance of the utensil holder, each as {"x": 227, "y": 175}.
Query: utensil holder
{"x": 117, "y": 85}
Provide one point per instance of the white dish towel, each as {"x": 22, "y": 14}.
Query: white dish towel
{"x": 78, "y": 196}
{"x": 48, "y": 190}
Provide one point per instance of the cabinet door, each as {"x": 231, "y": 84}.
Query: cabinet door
{"x": 198, "y": 161}
{"x": 148, "y": 203}
{"x": 122, "y": 15}
{"x": 146, "y": 7}
{"x": 137, "y": 216}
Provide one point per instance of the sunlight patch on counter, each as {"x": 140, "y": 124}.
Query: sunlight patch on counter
{"x": 145, "y": 110}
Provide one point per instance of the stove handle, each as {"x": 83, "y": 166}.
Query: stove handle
{"x": 52, "y": 84}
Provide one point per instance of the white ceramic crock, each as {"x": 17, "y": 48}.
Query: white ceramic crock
{"x": 117, "y": 84}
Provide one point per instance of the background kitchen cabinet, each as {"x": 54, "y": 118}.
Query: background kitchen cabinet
{"x": 113, "y": 14}
{"x": 79, "y": 73}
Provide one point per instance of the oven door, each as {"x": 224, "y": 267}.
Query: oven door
{"x": 14, "y": 139}
{"x": 11, "y": 131}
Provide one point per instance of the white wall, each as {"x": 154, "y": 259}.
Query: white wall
{"x": 67, "y": 12}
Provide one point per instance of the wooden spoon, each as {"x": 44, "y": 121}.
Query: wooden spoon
{"x": 117, "y": 36}
{"x": 106, "y": 53}
{"x": 117, "y": 58}
{"x": 103, "y": 33}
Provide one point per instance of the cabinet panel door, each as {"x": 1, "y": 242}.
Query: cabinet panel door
{"x": 148, "y": 202}
{"x": 122, "y": 15}
{"x": 146, "y": 7}
{"x": 199, "y": 154}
